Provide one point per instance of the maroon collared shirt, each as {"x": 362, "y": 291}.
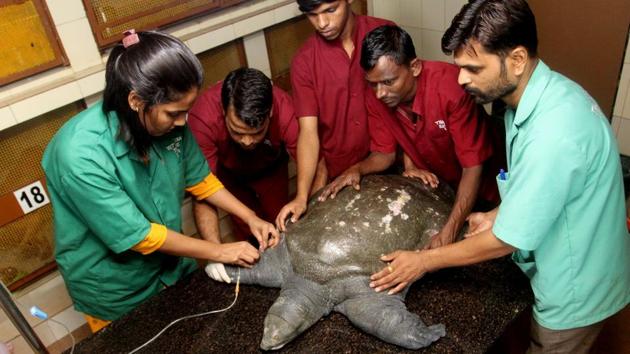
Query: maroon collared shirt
{"x": 328, "y": 84}
{"x": 207, "y": 122}
{"x": 448, "y": 132}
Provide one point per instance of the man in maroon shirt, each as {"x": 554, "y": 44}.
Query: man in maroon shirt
{"x": 440, "y": 129}
{"x": 245, "y": 127}
{"x": 328, "y": 93}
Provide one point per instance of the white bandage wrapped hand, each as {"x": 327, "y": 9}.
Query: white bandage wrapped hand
{"x": 217, "y": 272}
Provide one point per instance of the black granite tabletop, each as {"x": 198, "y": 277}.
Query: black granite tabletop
{"x": 475, "y": 303}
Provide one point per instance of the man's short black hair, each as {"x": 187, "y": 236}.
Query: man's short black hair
{"x": 498, "y": 25}
{"x": 388, "y": 40}
{"x": 250, "y": 93}
{"x": 310, "y": 5}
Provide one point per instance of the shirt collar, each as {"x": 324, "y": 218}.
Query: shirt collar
{"x": 418, "y": 102}
{"x": 121, "y": 147}
{"x": 533, "y": 92}
{"x": 358, "y": 22}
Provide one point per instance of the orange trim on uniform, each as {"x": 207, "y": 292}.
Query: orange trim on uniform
{"x": 96, "y": 324}
{"x": 206, "y": 188}
{"x": 153, "y": 241}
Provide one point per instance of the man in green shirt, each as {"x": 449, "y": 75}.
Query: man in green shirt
{"x": 562, "y": 212}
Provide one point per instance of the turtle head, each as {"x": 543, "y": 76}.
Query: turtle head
{"x": 277, "y": 332}
{"x": 301, "y": 303}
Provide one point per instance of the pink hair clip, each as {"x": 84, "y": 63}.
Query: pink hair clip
{"x": 130, "y": 38}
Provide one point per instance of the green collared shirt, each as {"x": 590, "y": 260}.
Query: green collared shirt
{"x": 104, "y": 199}
{"x": 562, "y": 203}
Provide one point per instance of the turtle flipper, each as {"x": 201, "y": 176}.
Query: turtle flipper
{"x": 386, "y": 317}
{"x": 271, "y": 269}
{"x": 300, "y": 304}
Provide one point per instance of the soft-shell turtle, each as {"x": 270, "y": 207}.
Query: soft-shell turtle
{"x": 325, "y": 260}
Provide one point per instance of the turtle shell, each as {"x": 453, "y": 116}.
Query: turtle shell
{"x": 345, "y": 236}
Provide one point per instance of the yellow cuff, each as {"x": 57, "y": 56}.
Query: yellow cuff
{"x": 206, "y": 188}
{"x": 96, "y": 324}
{"x": 153, "y": 241}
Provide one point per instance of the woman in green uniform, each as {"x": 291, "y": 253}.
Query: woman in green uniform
{"x": 117, "y": 174}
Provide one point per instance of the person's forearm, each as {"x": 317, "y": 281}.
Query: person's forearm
{"x": 407, "y": 163}
{"x": 375, "y": 162}
{"x": 228, "y": 202}
{"x": 307, "y": 158}
{"x": 181, "y": 245}
{"x": 464, "y": 200}
{"x": 482, "y": 247}
{"x": 207, "y": 221}
{"x": 321, "y": 177}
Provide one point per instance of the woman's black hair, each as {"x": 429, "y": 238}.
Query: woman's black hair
{"x": 159, "y": 68}
{"x": 249, "y": 92}
{"x": 498, "y": 25}
{"x": 388, "y": 40}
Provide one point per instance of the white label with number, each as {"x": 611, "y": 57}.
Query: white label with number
{"x": 31, "y": 197}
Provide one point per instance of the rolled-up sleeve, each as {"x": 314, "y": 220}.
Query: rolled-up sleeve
{"x": 303, "y": 87}
{"x": 153, "y": 241}
{"x": 206, "y": 188}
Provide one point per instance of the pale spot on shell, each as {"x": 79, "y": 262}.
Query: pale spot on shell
{"x": 351, "y": 203}
{"x": 329, "y": 252}
{"x": 386, "y": 221}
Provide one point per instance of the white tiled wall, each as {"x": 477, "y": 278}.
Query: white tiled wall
{"x": 432, "y": 14}
{"x": 79, "y": 45}
{"x": 389, "y": 9}
{"x": 256, "y": 52}
{"x": 6, "y": 118}
{"x": 424, "y": 20}
{"x": 64, "y": 11}
{"x": 621, "y": 111}
{"x": 46, "y": 101}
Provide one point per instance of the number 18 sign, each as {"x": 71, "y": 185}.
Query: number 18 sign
{"x": 31, "y": 197}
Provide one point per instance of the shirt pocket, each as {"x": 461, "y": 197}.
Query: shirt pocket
{"x": 502, "y": 183}
{"x": 435, "y": 130}
{"x": 128, "y": 277}
{"x": 526, "y": 261}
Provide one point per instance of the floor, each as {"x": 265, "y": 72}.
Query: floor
{"x": 66, "y": 342}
